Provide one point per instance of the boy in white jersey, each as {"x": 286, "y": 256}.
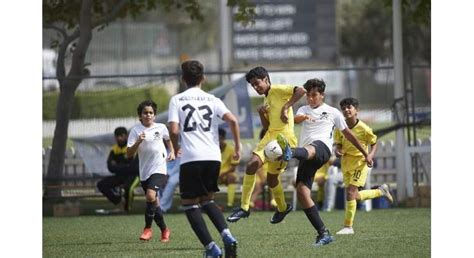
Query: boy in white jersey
{"x": 194, "y": 116}
{"x": 147, "y": 138}
{"x": 316, "y": 140}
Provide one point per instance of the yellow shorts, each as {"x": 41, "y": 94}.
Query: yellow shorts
{"x": 322, "y": 172}
{"x": 354, "y": 170}
{"x": 274, "y": 167}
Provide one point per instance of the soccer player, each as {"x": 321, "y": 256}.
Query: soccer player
{"x": 227, "y": 174}
{"x": 277, "y": 117}
{"x": 353, "y": 165}
{"x": 149, "y": 138}
{"x": 194, "y": 116}
{"x": 316, "y": 140}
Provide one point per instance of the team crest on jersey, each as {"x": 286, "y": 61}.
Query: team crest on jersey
{"x": 324, "y": 115}
{"x": 156, "y": 135}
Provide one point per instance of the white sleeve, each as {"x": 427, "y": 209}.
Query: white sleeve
{"x": 132, "y": 137}
{"x": 173, "y": 112}
{"x": 221, "y": 109}
{"x": 165, "y": 133}
{"x": 301, "y": 111}
{"x": 339, "y": 120}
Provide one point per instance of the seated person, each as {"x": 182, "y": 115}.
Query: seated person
{"x": 125, "y": 172}
{"x": 227, "y": 174}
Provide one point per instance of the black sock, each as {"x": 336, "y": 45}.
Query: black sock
{"x": 215, "y": 215}
{"x": 149, "y": 214}
{"x": 313, "y": 215}
{"x": 160, "y": 221}
{"x": 194, "y": 216}
{"x": 300, "y": 153}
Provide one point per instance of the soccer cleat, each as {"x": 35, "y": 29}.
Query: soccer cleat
{"x": 238, "y": 214}
{"x": 323, "y": 239}
{"x": 345, "y": 231}
{"x": 279, "y": 216}
{"x": 147, "y": 234}
{"x": 285, "y": 147}
{"x": 165, "y": 235}
{"x": 214, "y": 252}
{"x": 386, "y": 192}
{"x": 230, "y": 246}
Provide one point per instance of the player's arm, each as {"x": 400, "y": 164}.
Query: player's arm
{"x": 373, "y": 149}
{"x": 169, "y": 145}
{"x": 173, "y": 129}
{"x": 262, "y": 112}
{"x": 298, "y": 92}
{"x": 131, "y": 150}
{"x": 234, "y": 128}
{"x": 350, "y": 137}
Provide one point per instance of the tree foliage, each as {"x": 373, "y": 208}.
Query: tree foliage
{"x": 366, "y": 30}
{"x": 74, "y": 21}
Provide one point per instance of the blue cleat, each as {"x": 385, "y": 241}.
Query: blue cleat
{"x": 285, "y": 147}
{"x": 230, "y": 246}
{"x": 323, "y": 239}
{"x": 214, "y": 252}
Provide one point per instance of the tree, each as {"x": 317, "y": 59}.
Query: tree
{"x": 74, "y": 21}
{"x": 366, "y": 30}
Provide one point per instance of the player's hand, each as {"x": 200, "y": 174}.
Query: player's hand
{"x": 263, "y": 109}
{"x": 178, "y": 153}
{"x": 338, "y": 153}
{"x": 284, "y": 114}
{"x": 236, "y": 155}
{"x": 171, "y": 156}
{"x": 141, "y": 137}
{"x": 370, "y": 161}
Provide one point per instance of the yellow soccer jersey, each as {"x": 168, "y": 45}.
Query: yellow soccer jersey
{"x": 277, "y": 96}
{"x": 363, "y": 133}
{"x": 227, "y": 160}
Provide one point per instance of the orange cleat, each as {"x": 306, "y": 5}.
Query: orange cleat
{"x": 147, "y": 234}
{"x": 165, "y": 235}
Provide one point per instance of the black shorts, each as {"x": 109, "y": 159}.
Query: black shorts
{"x": 307, "y": 168}
{"x": 155, "y": 182}
{"x": 198, "y": 178}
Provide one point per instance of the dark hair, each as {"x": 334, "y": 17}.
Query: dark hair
{"x": 222, "y": 132}
{"x": 193, "y": 72}
{"x": 120, "y": 130}
{"x": 257, "y": 72}
{"x": 315, "y": 83}
{"x": 349, "y": 101}
{"x": 146, "y": 103}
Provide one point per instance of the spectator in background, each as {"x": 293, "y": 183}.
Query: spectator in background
{"x": 124, "y": 170}
{"x": 171, "y": 184}
{"x": 227, "y": 175}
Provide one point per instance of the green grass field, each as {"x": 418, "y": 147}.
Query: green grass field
{"x": 379, "y": 233}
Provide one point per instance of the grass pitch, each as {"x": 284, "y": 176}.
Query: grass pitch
{"x": 379, "y": 233}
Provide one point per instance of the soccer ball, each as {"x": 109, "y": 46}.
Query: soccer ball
{"x": 272, "y": 151}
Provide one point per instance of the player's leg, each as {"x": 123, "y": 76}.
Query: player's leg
{"x": 106, "y": 186}
{"x": 157, "y": 182}
{"x": 150, "y": 198}
{"x": 231, "y": 186}
{"x": 248, "y": 186}
{"x": 191, "y": 191}
{"x": 301, "y": 153}
{"x": 276, "y": 188}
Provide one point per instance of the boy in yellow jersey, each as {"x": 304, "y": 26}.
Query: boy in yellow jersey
{"x": 277, "y": 117}
{"x": 353, "y": 165}
{"x": 227, "y": 174}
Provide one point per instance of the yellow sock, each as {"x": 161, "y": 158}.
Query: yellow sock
{"x": 231, "y": 194}
{"x": 247, "y": 189}
{"x": 369, "y": 194}
{"x": 351, "y": 207}
{"x": 279, "y": 196}
{"x": 320, "y": 194}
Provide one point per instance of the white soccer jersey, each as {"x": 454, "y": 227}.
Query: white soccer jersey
{"x": 198, "y": 114}
{"x": 321, "y": 126}
{"x": 152, "y": 152}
